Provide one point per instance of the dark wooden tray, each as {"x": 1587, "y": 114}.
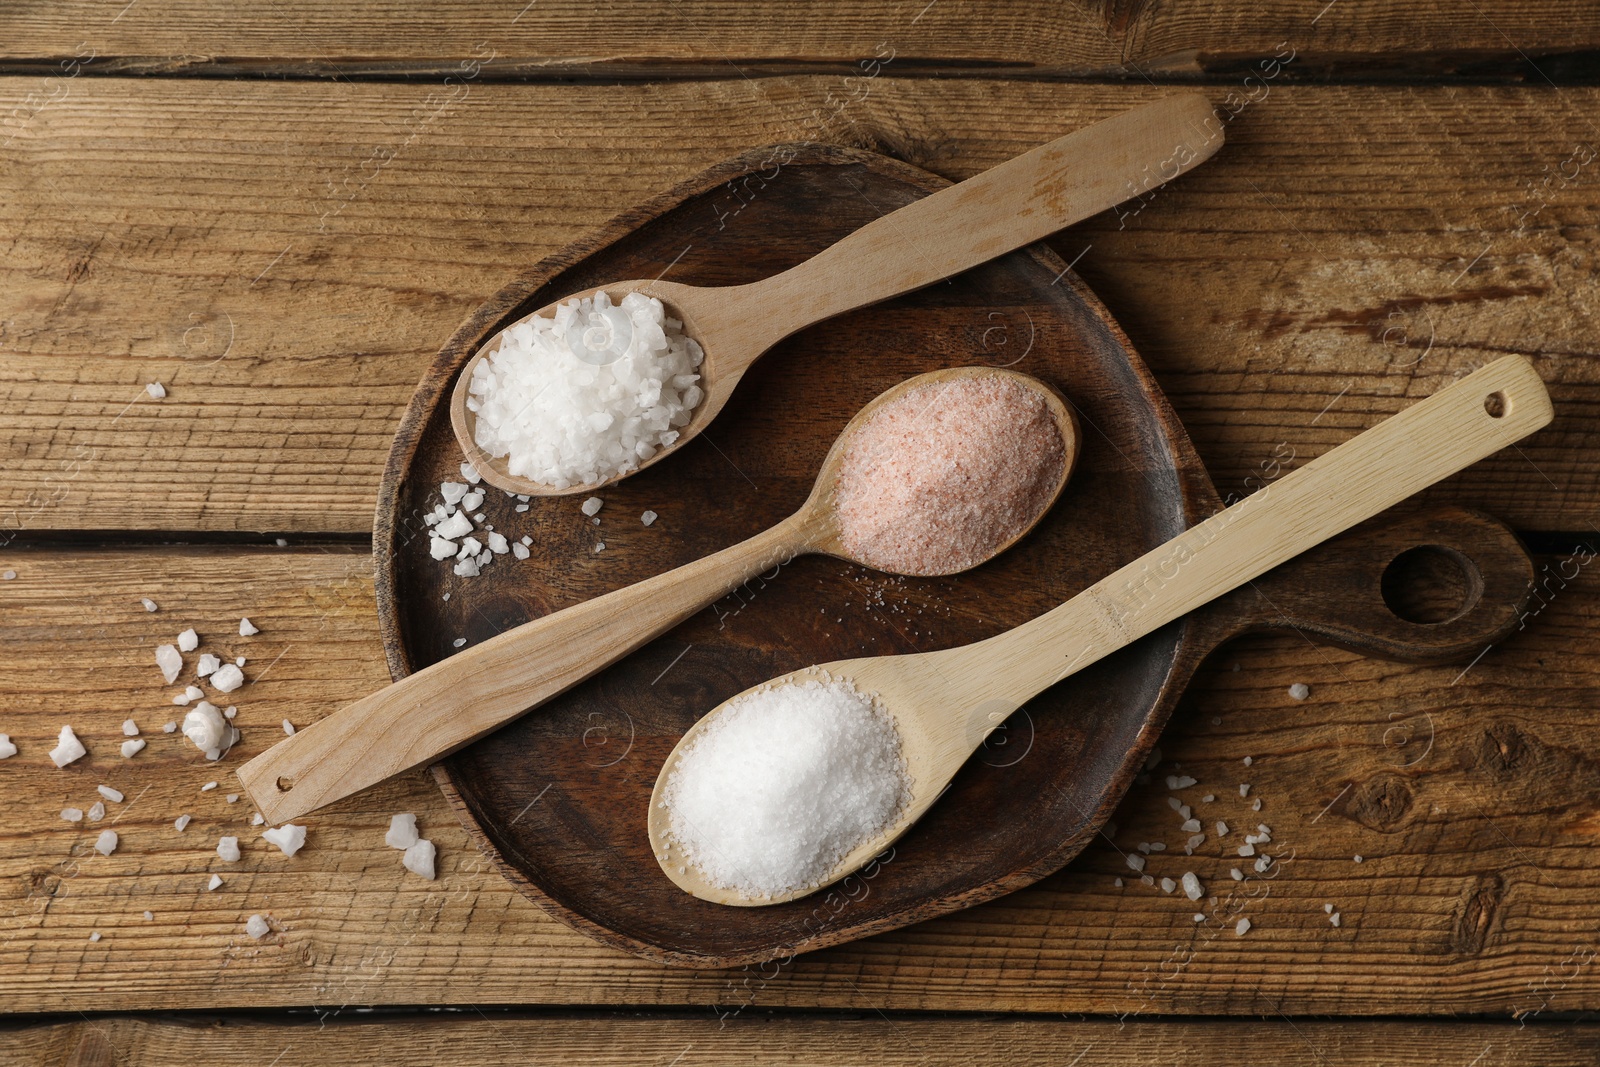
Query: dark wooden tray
{"x": 559, "y": 798}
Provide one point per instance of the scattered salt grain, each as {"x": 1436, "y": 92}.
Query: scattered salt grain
{"x": 1299, "y": 691}
{"x": 1236, "y": 874}
{"x": 149, "y": 605}
{"x": 8, "y": 575}
{"x": 72, "y": 814}
{"x": 97, "y": 811}
{"x": 256, "y": 819}
{"x": 1158, "y": 846}
{"x": 601, "y": 547}
{"x": 215, "y": 883}
{"x": 188, "y": 641}
{"x": 169, "y": 728}
{"x": 946, "y": 473}
{"x": 1257, "y": 805}
{"x": 233, "y": 798}
{"x": 68, "y": 748}
{"x": 228, "y": 678}
{"x": 281, "y": 542}
{"x": 1168, "y": 885}
{"x": 1191, "y": 886}
{"x": 520, "y": 550}
{"x": 453, "y": 527}
{"x": 132, "y": 747}
{"x": 106, "y": 843}
{"x": 148, "y": 915}
{"x": 1242, "y": 928}
{"x": 1328, "y": 908}
{"x": 1174, "y": 803}
{"x": 1334, "y": 919}
{"x": 1222, "y": 828}
{"x": 419, "y": 858}
{"x": 1190, "y": 826}
{"x": 586, "y": 394}
{"x": 1135, "y": 861}
{"x": 95, "y": 936}
{"x": 181, "y": 823}
{"x": 452, "y": 492}
{"x": 1248, "y": 760}
{"x": 472, "y": 502}
{"x": 498, "y": 544}
{"x": 1247, "y": 850}
{"x": 239, "y": 662}
{"x": 1199, "y": 917}
{"x": 130, "y": 728}
{"x": 229, "y": 712}
{"x": 257, "y": 927}
{"x": 208, "y": 665}
{"x": 648, "y": 517}
{"x": 228, "y": 849}
{"x": 289, "y": 838}
{"x": 208, "y": 787}
{"x": 288, "y": 727}
{"x": 170, "y": 662}
{"x": 458, "y": 642}
{"x": 402, "y": 831}
{"x": 592, "y": 506}
{"x": 7, "y": 747}
{"x": 782, "y": 784}
{"x": 156, "y": 390}
{"x": 1244, "y": 789}
{"x": 1358, "y": 859}
{"x": 470, "y": 473}
{"x": 1208, "y": 798}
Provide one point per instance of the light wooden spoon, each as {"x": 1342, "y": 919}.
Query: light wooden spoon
{"x": 945, "y": 703}
{"x": 430, "y": 714}
{"x": 1021, "y": 201}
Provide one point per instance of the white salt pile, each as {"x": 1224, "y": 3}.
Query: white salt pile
{"x": 588, "y": 394}
{"x": 783, "y": 784}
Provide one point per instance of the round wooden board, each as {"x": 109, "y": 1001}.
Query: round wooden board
{"x": 559, "y": 798}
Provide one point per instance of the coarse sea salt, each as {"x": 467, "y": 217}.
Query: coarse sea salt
{"x": 170, "y": 662}
{"x": 289, "y": 838}
{"x": 106, "y": 843}
{"x": 587, "y": 394}
{"x": 68, "y": 748}
{"x": 782, "y": 784}
{"x": 257, "y": 927}
{"x": 942, "y": 476}
{"x": 7, "y": 748}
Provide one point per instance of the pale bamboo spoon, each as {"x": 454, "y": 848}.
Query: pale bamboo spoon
{"x": 430, "y": 714}
{"x": 1021, "y": 201}
{"x": 945, "y": 703}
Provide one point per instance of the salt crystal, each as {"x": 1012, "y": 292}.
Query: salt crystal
{"x": 257, "y": 927}
{"x": 132, "y": 747}
{"x": 1168, "y": 885}
{"x": 1191, "y": 886}
{"x": 402, "y": 831}
{"x": 1185, "y": 812}
{"x": 1257, "y": 805}
{"x": 1244, "y": 789}
{"x": 455, "y": 526}
{"x": 228, "y": 678}
{"x": 458, "y": 642}
{"x": 248, "y": 628}
{"x": 648, "y": 517}
{"x": 229, "y": 712}
{"x": 498, "y": 545}
{"x": 472, "y": 501}
{"x": 228, "y": 849}
{"x": 1236, "y": 874}
{"x": 72, "y": 814}
{"x": 8, "y": 575}
{"x": 170, "y": 662}
{"x": 1173, "y": 802}
{"x": 1199, "y": 917}
{"x": 181, "y": 823}
{"x": 1194, "y": 842}
{"x": 169, "y": 728}
{"x": 986, "y": 449}
{"x": 208, "y": 787}
{"x": 130, "y": 728}
{"x": 97, "y": 811}
{"x": 1145, "y": 879}
{"x": 148, "y": 914}
{"x": 1334, "y": 919}
{"x": 1208, "y": 798}
{"x": 452, "y": 492}
{"x": 1158, "y": 846}
{"x": 233, "y": 798}
{"x": 527, "y": 540}
{"x": 256, "y": 818}
{"x": 68, "y": 748}
{"x": 1135, "y": 861}
{"x": 95, "y": 936}
{"x": 106, "y": 843}
{"x": 1184, "y": 782}
{"x": 601, "y": 547}
{"x": 1190, "y": 826}
{"x": 418, "y": 859}
{"x": 1299, "y": 691}
{"x": 188, "y": 641}
{"x": 289, "y": 838}
{"x": 1222, "y": 828}
{"x": 288, "y": 727}
{"x": 1144, "y": 846}
{"x": 1358, "y": 859}
{"x": 522, "y": 507}
{"x": 1242, "y": 927}
{"x": 1117, "y": 882}
{"x": 215, "y": 883}
{"x": 520, "y": 550}
{"x": 1248, "y": 761}
{"x": 1263, "y": 863}
{"x": 1247, "y": 850}
{"x": 205, "y": 727}
{"x": 470, "y": 473}
{"x": 149, "y": 605}
{"x": 281, "y": 543}
{"x": 467, "y": 568}
{"x": 783, "y": 783}
{"x": 7, "y": 748}
{"x": 592, "y": 506}
{"x": 156, "y": 390}
{"x": 208, "y": 665}
{"x": 1328, "y": 908}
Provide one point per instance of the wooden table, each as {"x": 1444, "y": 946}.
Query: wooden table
{"x": 281, "y": 210}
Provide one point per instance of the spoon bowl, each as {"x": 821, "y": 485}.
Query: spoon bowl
{"x": 1016, "y": 203}
{"x": 945, "y": 703}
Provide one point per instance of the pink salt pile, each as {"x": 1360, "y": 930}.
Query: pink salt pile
{"x": 944, "y": 475}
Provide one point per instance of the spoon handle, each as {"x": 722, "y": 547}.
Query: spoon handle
{"x": 1016, "y": 203}
{"x": 437, "y": 710}
{"x": 1429, "y": 441}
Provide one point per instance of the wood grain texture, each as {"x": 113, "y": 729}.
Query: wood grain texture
{"x": 254, "y": 247}
{"x": 1472, "y": 797}
{"x": 624, "y": 1041}
{"x": 721, "y": 38}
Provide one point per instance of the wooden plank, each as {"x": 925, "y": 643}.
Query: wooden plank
{"x": 1472, "y": 799}
{"x": 1349, "y": 250}
{"x": 723, "y": 38}
{"x": 614, "y": 1041}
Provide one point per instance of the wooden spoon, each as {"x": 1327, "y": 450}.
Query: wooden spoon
{"x": 430, "y": 714}
{"x": 1021, "y": 201}
{"x": 946, "y": 703}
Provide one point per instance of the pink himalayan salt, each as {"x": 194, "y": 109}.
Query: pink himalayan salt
{"x": 942, "y": 476}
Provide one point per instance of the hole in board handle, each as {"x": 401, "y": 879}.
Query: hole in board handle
{"x": 284, "y": 783}
{"x": 1495, "y": 404}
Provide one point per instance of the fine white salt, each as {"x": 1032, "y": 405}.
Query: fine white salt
{"x": 587, "y": 394}
{"x": 781, "y": 785}
{"x": 68, "y": 748}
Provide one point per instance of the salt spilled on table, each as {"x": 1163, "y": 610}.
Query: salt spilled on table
{"x": 945, "y": 474}
{"x": 587, "y": 394}
{"x": 784, "y": 783}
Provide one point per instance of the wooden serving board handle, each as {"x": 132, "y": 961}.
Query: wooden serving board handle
{"x": 1336, "y": 593}
{"x": 430, "y": 714}
{"x": 1429, "y": 441}
{"x": 1022, "y": 200}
